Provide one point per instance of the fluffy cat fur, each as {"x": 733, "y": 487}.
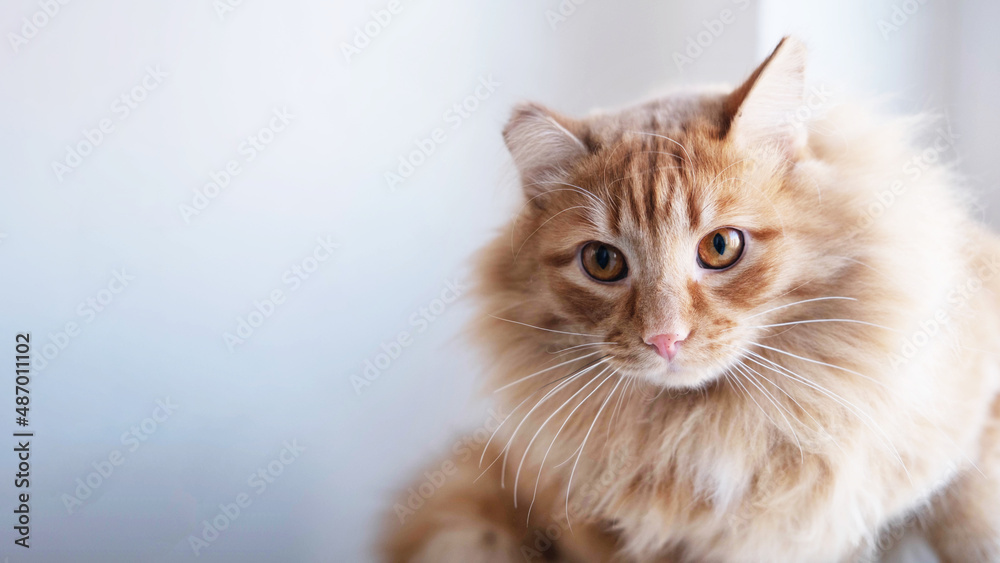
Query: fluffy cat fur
{"x": 839, "y": 381}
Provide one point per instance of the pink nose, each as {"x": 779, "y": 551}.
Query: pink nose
{"x": 666, "y": 344}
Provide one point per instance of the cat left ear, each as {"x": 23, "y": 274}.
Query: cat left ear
{"x": 761, "y": 111}
{"x": 544, "y": 145}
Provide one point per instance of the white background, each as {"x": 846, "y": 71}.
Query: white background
{"x": 323, "y": 176}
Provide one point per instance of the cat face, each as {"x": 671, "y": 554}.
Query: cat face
{"x": 655, "y": 238}
{"x": 660, "y": 252}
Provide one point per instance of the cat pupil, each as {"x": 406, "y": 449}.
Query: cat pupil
{"x": 603, "y": 257}
{"x": 719, "y": 242}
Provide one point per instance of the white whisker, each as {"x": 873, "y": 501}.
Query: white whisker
{"x": 799, "y": 303}
{"x": 572, "y": 188}
{"x": 554, "y": 438}
{"x": 546, "y": 222}
{"x": 819, "y": 426}
{"x": 711, "y": 183}
{"x": 519, "y": 405}
{"x": 810, "y": 360}
{"x": 614, "y": 412}
{"x": 565, "y": 381}
{"x": 583, "y": 445}
{"x": 811, "y": 321}
{"x": 669, "y": 139}
{"x": 513, "y": 435}
{"x": 580, "y": 346}
{"x": 569, "y": 188}
{"x": 854, "y": 409}
{"x": 568, "y": 459}
{"x": 772, "y": 399}
{"x": 750, "y": 395}
{"x": 548, "y": 369}
{"x": 546, "y": 329}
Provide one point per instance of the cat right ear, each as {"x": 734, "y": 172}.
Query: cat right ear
{"x": 761, "y": 110}
{"x": 544, "y": 146}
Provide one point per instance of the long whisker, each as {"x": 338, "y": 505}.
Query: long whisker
{"x": 799, "y": 303}
{"x": 518, "y": 253}
{"x": 739, "y": 367}
{"x": 546, "y": 329}
{"x": 544, "y": 457}
{"x": 580, "y": 346}
{"x": 711, "y": 183}
{"x": 572, "y": 188}
{"x": 819, "y": 426}
{"x": 513, "y": 435}
{"x": 777, "y": 334}
{"x": 568, "y": 459}
{"x": 654, "y": 170}
{"x": 750, "y": 395}
{"x": 811, "y": 321}
{"x": 669, "y": 139}
{"x": 675, "y": 155}
{"x": 569, "y": 188}
{"x": 563, "y": 381}
{"x": 618, "y": 405}
{"x": 583, "y": 445}
{"x": 548, "y": 369}
{"x": 840, "y": 400}
{"x": 607, "y": 160}
{"x": 810, "y": 360}
{"x": 727, "y": 376}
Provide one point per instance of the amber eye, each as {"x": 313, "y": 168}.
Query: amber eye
{"x": 720, "y": 249}
{"x": 603, "y": 262}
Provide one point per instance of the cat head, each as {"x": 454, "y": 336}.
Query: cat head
{"x": 656, "y": 239}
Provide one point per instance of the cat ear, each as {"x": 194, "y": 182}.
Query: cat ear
{"x": 761, "y": 111}
{"x": 544, "y": 145}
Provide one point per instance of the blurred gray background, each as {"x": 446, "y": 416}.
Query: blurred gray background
{"x": 309, "y": 112}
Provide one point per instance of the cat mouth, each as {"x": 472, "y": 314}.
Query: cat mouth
{"x": 666, "y": 374}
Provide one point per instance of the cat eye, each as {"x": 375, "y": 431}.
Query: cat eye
{"x": 603, "y": 262}
{"x": 720, "y": 249}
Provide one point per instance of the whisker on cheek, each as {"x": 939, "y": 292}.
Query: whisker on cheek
{"x": 541, "y": 466}
{"x": 565, "y": 381}
{"x": 862, "y": 415}
{"x": 546, "y": 329}
{"x": 798, "y": 303}
{"x": 546, "y": 370}
{"x": 583, "y": 445}
{"x": 581, "y": 346}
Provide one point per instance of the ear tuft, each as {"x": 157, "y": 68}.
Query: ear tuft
{"x": 761, "y": 111}
{"x": 544, "y": 145}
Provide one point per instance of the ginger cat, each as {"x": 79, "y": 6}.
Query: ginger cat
{"x": 720, "y": 340}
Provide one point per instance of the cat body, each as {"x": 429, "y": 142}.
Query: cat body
{"x": 721, "y": 340}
